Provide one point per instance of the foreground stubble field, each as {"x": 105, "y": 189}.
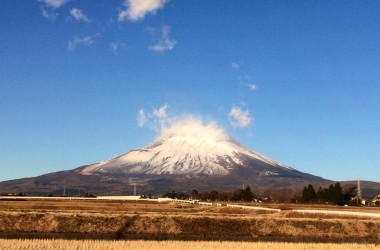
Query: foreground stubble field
{"x": 134, "y": 220}
{"x": 173, "y": 245}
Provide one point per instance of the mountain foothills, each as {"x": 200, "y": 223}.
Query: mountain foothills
{"x": 187, "y": 155}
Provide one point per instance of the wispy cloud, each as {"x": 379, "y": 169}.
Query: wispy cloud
{"x": 235, "y": 65}
{"x": 195, "y": 128}
{"x": 115, "y": 47}
{"x": 141, "y": 118}
{"x": 76, "y": 41}
{"x": 252, "y": 86}
{"x": 55, "y": 3}
{"x": 185, "y": 125}
{"x": 50, "y": 15}
{"x": 240, "y": 118}
{"x": 79, "y": 15}
{"x": 247, "y": 81}
{"x": 160, "y": 113}
{"x": 137, "y": 9}
{"x": 165, "y": 43}
{"x": 153, "y": 120}
{"x": 48, "y": 7}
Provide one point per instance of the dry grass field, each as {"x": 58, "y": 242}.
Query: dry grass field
{"x": 174, "y": 245}
{"x": 150, "y": 220}
{"x": 100, "y": 206}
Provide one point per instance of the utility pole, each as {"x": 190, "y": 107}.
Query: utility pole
{"x": 134, "y": 190}
{"x": 359, "y": 193}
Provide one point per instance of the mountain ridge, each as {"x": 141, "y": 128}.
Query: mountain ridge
{"x": 198, "y": 149}
{"x": 187, "y": 155}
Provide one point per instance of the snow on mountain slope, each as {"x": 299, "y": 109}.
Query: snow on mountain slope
{"x": 186, "y": 147}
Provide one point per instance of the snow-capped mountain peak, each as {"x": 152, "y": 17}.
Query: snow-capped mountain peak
{"x": 186, "y": 147}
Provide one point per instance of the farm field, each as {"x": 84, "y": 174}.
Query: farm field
{"x": 133, "y": 220}
{"x": 173, "y": 245}
{"x": 149, "y": 206}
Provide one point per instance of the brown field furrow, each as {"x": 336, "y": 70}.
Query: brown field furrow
{"x": 147, "y": 220}
{"x": 173, "y": 245}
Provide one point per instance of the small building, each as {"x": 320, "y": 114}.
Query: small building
{"x": 357, "y": 201}
{"x": 375, "y": 201}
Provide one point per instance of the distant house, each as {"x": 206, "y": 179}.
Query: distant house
{"x": 375, "y": 201}
{"x": 356, "y": 201}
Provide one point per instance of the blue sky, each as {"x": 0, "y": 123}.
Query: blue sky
{"x": 298, "y": 81}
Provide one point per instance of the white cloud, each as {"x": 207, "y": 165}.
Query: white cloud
{"x": 184, "y": 126}
{"x": 115, "y": 47}
{"x": 153, "y": 120}
{"x": 73, "y": 43}
{"x": 195, "y": 129}
{"x": 51, "y": 6}
{"x": 141, "y": 118}
{"x": 240, "y": 118}
{"x": 161, "y": 112}
{"x": 165, "y": 43}
{"x": 87, "y": 40}
{"x": 247, "y": 81}
{"x": 55, "y": 3}
{"x": 235, "y": 65}
{"x": 137, "y": 9}
{"x": 78, "y": 15}
{"x": 252, "y": 86}
{"x": 123, "y": 14}
{"x": 48, "y": 14}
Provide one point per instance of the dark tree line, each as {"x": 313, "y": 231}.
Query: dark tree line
{"x": 174, "y": 195}
{"x": 237, "y": 195}
{"x": 269, "y": 195}
{"x": 333, "y": 194}
{"x": 214, "y": 195}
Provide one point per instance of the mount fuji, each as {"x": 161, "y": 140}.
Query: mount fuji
{"x": 187, "y": 155}
{"x": 186, "y": 148}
